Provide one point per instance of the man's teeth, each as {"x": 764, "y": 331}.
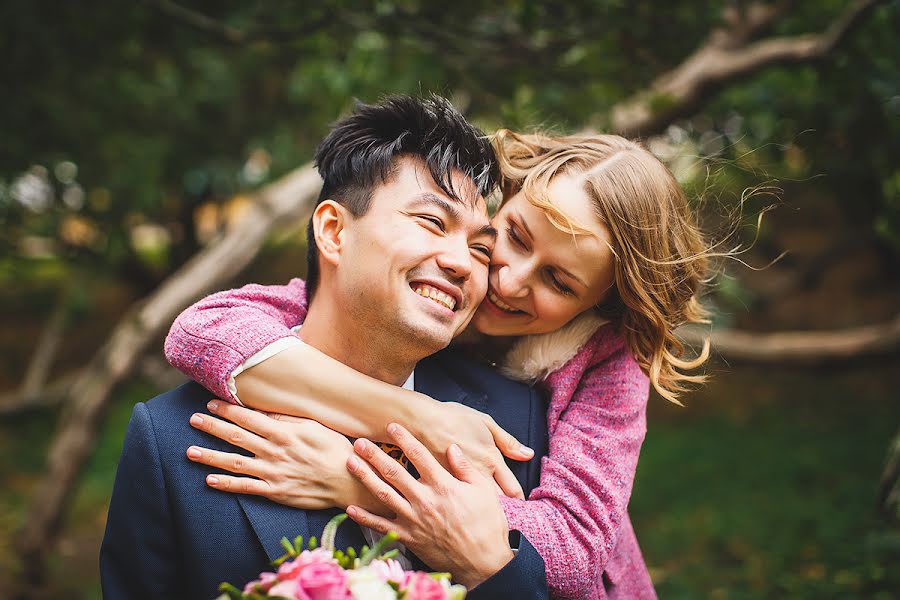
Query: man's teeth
{"x": 435, "y": 294}
{"x": 501, "y": 304}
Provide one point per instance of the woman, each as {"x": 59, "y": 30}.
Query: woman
{"x": 597, "y": 262}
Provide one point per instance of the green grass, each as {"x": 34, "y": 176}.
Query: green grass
{"x": 764, "y": 486}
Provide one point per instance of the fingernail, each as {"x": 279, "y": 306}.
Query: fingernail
{"x": 194, "y": 453}
{"x": 351, "y": 511}
{"x": 393, "y": 428}
{"x": 455, "y": 451}
{"x": 196, "y": 420}
{"x": 212, "y": 480}
{"x": 525, "y": 450}
{"x": 359, "y": 445}
{"x": 353, "y": 463}
{"x": 213, "y": 406}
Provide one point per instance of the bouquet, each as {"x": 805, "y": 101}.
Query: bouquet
{"x": 323, "y": 573}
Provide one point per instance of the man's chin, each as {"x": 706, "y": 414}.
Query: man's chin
{"x": 430, "y": 338}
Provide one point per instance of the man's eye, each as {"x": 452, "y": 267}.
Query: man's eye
{"x": 483, "y": 250}
{"x": 433, "y": 220}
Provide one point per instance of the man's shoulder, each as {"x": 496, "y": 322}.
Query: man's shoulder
{"x": 168, "y": 416}
{"x": 175, "y": 403}
{"x": 475, "y": 375}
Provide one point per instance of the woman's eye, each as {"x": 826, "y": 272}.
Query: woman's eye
{"x": 511, "y": 232}
{"x": 560, "y": 286}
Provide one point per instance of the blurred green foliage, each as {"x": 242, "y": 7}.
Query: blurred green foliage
{"x": 122, "y": 122}
{"x": 131, "y": 115}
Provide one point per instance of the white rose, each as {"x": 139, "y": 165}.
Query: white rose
{"x": 365, "y": 584}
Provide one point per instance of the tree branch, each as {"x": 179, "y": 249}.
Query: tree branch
{"x": 811, "y": 348}
{"x": 287, "y": 199}
{"x": 233, "y": 35}
{"x": 719, "y": 61}
{"x": 47, "y": 347}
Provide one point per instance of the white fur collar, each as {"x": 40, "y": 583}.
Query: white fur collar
{"x": 533, "y": 357}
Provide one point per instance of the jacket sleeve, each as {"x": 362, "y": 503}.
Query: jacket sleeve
{"x": 136, "y": 556}
{"x": 523, "y": 578}
{"x": 573, "y": 516}
{"x": 212, "y": 338}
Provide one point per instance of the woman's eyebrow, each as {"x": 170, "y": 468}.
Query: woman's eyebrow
{"x": 572, "y": 275}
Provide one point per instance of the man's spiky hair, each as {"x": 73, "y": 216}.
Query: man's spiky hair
{"x": 360, "y": 154}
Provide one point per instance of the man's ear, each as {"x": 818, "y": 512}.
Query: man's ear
{"x": 329, "y": 222}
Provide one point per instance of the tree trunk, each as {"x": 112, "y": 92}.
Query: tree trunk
{"x": 290, "y": 198}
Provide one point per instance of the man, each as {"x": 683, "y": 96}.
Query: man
{"x": 402, "y": 208}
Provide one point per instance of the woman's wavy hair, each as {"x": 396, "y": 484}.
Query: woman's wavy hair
{"x": 662, "y": 258}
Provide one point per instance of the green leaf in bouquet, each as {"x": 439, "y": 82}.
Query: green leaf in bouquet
{"x": 287, "y": 545}
{"x": 330, "y": 532}
{"x": 313, "y": 544}
{"x": 278, "y": 561}
{"x": 229, "y": 592}
{"x": 298, "y": 544}
{"x": 389, "y": 554}
{"x": 370, "y": 554}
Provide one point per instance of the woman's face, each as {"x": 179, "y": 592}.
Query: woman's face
{"x": 540, "y": 277}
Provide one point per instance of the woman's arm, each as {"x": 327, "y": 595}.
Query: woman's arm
{"x": 220, "y": 335}
{"x": 597, "y": 423}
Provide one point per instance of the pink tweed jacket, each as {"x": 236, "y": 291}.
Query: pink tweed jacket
{"x": 576, "y": 518}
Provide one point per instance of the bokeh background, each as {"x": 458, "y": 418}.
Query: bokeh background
{"x": 155, "y": 151}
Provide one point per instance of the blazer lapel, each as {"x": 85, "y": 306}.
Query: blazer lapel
{"x": 271, "y": 522}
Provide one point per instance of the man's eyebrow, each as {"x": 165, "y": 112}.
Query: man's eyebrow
{"x": 429, "y": 198}
{"x": 488, "y": 230}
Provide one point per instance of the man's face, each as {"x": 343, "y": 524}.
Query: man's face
{"x": 416, "y": 263}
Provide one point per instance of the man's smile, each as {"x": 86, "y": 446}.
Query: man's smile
{"x": 448, "y": 299}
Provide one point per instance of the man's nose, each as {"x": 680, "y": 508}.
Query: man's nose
{"x": 456, "y": 258}
{"x": 512, "y": 281}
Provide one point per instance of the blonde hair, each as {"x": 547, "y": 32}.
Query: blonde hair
{"x": 661, "y": 257}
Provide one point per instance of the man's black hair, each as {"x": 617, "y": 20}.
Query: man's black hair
{"x": 360, "y": 153}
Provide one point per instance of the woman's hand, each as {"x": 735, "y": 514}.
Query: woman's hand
{"x": 478, "y": 436}
{"x": 297, "y": 462}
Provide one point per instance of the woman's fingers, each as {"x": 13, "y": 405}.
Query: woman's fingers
{"x": 236, "y": 463}
{"x": 247, "y": 418}
{"x": 508, "y": 483}
{"x": 239, "y": 485}
{"x": 230, "y": 433}
{"x": 383, "y": 492}
{"x": 508, "y": 445}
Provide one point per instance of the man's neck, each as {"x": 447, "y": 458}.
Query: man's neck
{"x": 335, "y": 335}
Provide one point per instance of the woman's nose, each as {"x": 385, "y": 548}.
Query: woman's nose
{"x": 512, "y": 283}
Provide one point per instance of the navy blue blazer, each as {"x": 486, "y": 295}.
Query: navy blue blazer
{"x": 169, "y": 535}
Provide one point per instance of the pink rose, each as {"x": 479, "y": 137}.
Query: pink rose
{"x": 422, "y": 586}
{"x": 266, "y": 580}
{"x": 285, "y": 589}
{"x": 323, "y": 582}
{"x": 293, "y": 568}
